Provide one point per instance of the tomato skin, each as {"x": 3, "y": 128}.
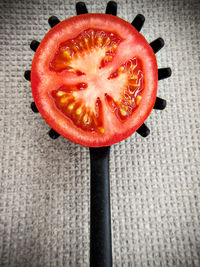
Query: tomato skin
{"x": 41, "y": 78}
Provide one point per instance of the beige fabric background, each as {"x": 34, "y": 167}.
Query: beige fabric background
{"x": 44, "y": 184}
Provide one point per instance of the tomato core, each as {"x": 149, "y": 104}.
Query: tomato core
{"x": 87, "y": 54}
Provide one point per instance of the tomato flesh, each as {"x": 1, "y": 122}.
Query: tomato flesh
{"x": 92, "y": 85}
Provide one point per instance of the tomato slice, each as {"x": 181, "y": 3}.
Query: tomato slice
{"x": 94, "y": 79}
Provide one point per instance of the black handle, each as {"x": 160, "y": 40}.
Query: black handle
{"x": 100, "y": 223}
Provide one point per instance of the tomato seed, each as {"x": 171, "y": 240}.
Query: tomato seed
{"x": 101, "y": 129}
{"x": 78, "y": 111}
{"x": 61, "y": 93}
{"x": 63, "y": 100}
{"x": 123, "y": 112}
{"x": 85, "y": 118}
{"x": 71, "y": 106}
{"x": 99, "y": 40}
{"x": 121, "y": 69}
{"x": 107, "y": 41}
{"x": 138, "y": 99}
{"x": 66, "y": 54}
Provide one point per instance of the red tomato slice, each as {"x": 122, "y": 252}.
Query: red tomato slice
{"x": 94, "y": 79}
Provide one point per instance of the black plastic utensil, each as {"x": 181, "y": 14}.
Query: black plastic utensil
{"x": 100, "y": 216}
{"x": 100, "y": 219}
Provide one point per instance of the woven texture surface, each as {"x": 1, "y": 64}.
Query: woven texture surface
{"x": 44, "y": 184}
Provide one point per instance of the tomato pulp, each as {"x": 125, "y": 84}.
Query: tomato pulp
{"x": 94, "y": 79}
